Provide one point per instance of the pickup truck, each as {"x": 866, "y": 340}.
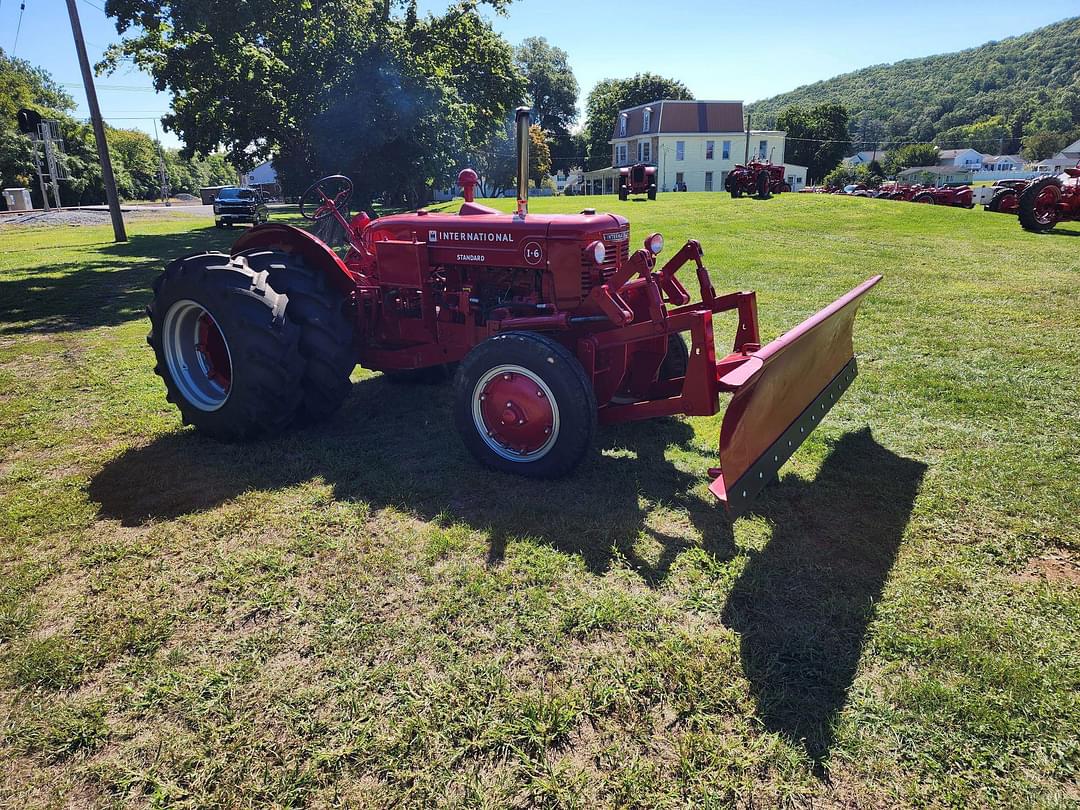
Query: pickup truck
{"x": 234, "y": 204}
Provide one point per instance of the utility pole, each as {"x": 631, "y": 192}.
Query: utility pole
{"x": 119, "y": 234}
{"x": 746, "y": 157}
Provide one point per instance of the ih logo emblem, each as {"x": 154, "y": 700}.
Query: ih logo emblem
{"x": 431, "y": 235}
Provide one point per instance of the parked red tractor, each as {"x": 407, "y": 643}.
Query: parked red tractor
{"x": 1049, "y": 200}
{"x": 760, "y": 177}
{"x": 556, "y": 324}
{"x": 637, "y": 179}
{"x": 957, "y": 196}
{"x": 893, "y": 190}
{"x": 1003, "y": 197}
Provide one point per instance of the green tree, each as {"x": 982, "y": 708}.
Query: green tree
{"x": 539, "y": 155}
{"x": 371, "y": 90}
{"x": 611, "y": 95}
{"x": 816, "y": 136}
{"x": 913, "y": 154}
{"x": 1041, "y": 145}
{"x": 550, "y": 85}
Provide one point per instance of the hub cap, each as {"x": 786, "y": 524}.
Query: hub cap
{"x": 515, "y": 413}
{"x": 1046, "y": 205}
{"x": 197, "y": 355}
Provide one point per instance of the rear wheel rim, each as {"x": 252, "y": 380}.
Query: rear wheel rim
{"x": 515, "y": 413}
{"x": 197, "y": 355}
{"x": 1046, "y": 205}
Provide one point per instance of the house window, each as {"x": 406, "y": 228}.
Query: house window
{"x": 622, "y": 125}
{"x": 644, "y": 151}
{"x": 646, "y": 119}
{"x": 725, "y": 152}
{"x": 710, "y": 147}
{"x": 680, "y": 150}
{"x": 620, "y": 154}
{"x": 708, "y": 181}
{"x": 762, "y": 148}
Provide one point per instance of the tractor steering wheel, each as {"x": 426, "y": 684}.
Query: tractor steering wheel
{"x": 326, "y": 196}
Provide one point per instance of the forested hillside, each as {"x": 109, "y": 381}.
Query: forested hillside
{"x": 1015, "y": 93}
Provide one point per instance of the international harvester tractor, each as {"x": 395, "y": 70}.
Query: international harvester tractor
{"x": 637, "y": 179}
{"x": 555, "y": 323}
{"x": 1003, "y": 197}
{"x": 760, "y": 177}
{"x": 956, "y": 196}
{"x": 1049, "y": 200}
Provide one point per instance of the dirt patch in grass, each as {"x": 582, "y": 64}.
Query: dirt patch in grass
{"x": 1051, "y": 568}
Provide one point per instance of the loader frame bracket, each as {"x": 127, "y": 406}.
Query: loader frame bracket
{"x": 739, "y": 495}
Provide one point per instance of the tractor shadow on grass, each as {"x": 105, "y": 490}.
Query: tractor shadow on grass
{"x": 111, "y": 286}
{"x": 394, "y": 445}
{"x": 802, "y": 605}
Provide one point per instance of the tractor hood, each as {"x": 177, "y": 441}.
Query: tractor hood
{"x": 477, "y": 236}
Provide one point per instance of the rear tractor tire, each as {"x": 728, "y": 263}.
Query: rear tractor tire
{"x": 1038, "y": 203}
{"x": 228, "y": 355}
{"x": 326, "y": 329}
{"x": 432, "y": 375}
{"x": 523, "y": 404}
{"x": 925, "y": 198}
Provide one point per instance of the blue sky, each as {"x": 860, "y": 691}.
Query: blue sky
{"x": 707, "y": 46}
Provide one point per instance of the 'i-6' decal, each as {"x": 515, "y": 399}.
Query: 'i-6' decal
{"x": 533, "y": 252}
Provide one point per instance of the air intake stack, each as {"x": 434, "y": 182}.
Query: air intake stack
{"x": 522, "y": 120}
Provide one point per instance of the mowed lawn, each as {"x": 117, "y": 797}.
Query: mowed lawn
{"x": 356, "y": 613}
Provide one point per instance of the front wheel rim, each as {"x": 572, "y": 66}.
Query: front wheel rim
{"x": 197, "y": 355}
{"x": 515, "y": 413}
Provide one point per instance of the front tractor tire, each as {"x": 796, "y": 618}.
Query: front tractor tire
{"x": 326, "y": 322}
{"x": 761, "y": 185}
{"x": 228, "y": 355}
{"x": 1003, "y": 201}
{"x": 523, "y": 404}
{"x": 652, "y": 191}
{"x": 1037, "y": 208}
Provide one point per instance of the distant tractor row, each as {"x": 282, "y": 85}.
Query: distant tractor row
{"x": 1039, "y": 203}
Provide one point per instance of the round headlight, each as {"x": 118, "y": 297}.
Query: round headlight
{"x": 598, "y": 251}
{"x": 654, "y": 244}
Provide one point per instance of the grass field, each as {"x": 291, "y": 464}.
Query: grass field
{"x": 356, "y": 613}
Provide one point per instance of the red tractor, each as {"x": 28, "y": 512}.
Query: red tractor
{"x": 1003, "y": 197}
{"x": 555, "y": 325}
{"x": 760, "y": 177}
{"x": 637, "y": 179}
{"x": 897, "y": 191}
{"x": 956, "y": 196}
{"x": 1049, "y": 200}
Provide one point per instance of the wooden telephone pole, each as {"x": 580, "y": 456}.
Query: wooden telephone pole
{"x": 119, "y": 234}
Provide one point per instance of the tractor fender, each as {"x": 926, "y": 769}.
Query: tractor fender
{"x": 290, "y": 239}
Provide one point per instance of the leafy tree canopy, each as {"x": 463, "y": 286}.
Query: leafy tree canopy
{"x": 550, "y": 86}
{"x": 989, "y": 98}
{"x": 913, "y": 154}
{"x": 817, "y": 137}
{"x": 368, "y": 89}
{"x": 611, "y": 95}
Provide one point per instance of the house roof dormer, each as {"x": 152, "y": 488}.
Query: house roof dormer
{"x": 669, "y": 116}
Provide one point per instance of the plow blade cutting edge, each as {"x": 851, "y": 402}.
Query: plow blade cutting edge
{"x": 781, "y": 394}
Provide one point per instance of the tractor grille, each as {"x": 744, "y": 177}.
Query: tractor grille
{"x": 593, "y": 274}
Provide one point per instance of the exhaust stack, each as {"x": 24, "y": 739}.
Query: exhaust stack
{"x": 522, "y": 116}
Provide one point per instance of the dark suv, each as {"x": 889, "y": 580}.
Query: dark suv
{"x": 234, "y": 204}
